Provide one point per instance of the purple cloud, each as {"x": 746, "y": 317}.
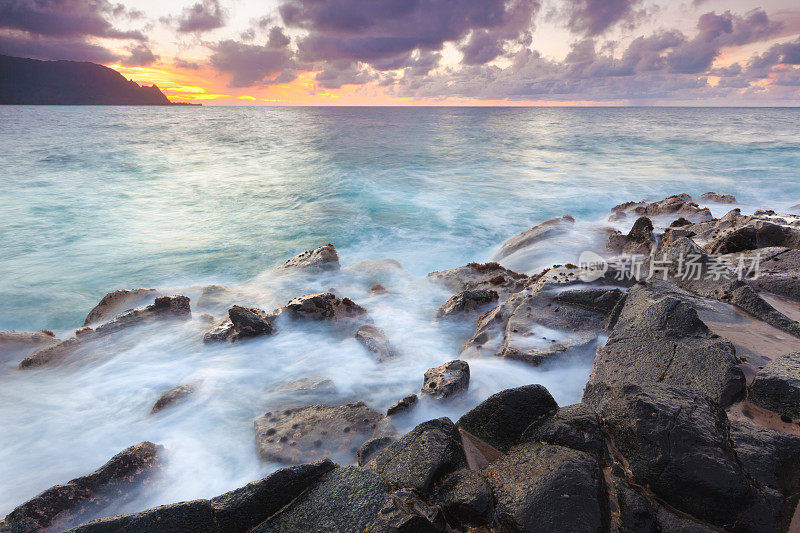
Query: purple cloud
{"x": 595, "y": 17}
{"x": 140, "y": 56}
{"x": 253, "y": 64}
{"x": 202, "y": 16}
{"x": 64, "y": 18}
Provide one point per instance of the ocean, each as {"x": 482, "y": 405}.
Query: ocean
{"x": 95, "y": 199}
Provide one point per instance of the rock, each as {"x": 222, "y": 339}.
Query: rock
{"x": 717, "y": 198}
{"x": 313, "y": 432}
{"x": 404, "y": 512}
{"x": 402, "y": 406}
{"x": 541, "y": 487}
{"x": 375, "y": 341}
{"x": 346, "y": 499}
{"x": 466, "y": 499}
{"x": 319, "y": 384}
{"x": 465, "y": 301}
{"x": 117, "y": 301}
{"x": 372, "y": 448}
{"x": 475, "y": 276}
{"x": 736, "y": 232}
{"x": 195, "y": 516}
{"x": 545, "y": 230}
{"x": 324, "y": 306}
{"x": 173, "y": 395}
{"x": 250, "y": 322}
{"x": 446, "y": 380}
{"x": 503, "y": 417}
{"x": 679, "y": 223}
{"x": 63, "y": 506}
{"x": 777, "y": 386}
{"x": 15, "y": 344}
{"x": 378, "y": 271}
{"x": 221, "y": 332}
{"x": 574, "y": 426}
{"x": 639, "y": 240}
{"x": 680, "y": 204}
{"x": 218, "y": 298}
{"x": 378, "y": 289}
{"x": 778, "y": 270}
{"x": 660, "y": 339}
{"x": 322, "y": 259}
{"x": 677, "y": 443}
{"x": 422, "y": 457}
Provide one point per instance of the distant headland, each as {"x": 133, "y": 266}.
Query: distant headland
{"x": 33, "y": 82}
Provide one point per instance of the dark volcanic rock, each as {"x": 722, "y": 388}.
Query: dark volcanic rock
{"x": 324, "y": 306}
{"x": 372, "y": 448}
{"x": 322, "y": 259}
{"x": 401, "y": 406}
{"x": 502, "y": 418}
{"x": 446, "y": 380}
{"x": 422, "y": 457}
{"x": 346, "y": 499}
{"x": 462, "y": 303}
{"x": 375, "y": 341}
{"x": 63, "y": 506}
{"x": 660, "y": 339}
{"x": 778, "y": 270}
{"x": 679, "y": 223}
{"x": 466, "y": 499}
{"x": 404, "y": 512}
{"x": 762, "y": 235}
{"x": 116, "y": 301}
{"x": 15, "y": 344}
{"x": 250, "y": 322}
{"x": 195, "y": 516}
{"x": 639, "y": 240}
{"x": 476, "y": 276}
{"x": 717, "y": 198}
{"x": 574, "y": 426}
{"x": 316, "y": 431}
{"x": 680, "y": 204}
{"x": 173, "y": 395}
{"x": 777, "y": 386}
{"x": 541, "y": 487}
{"x": 545, "y": 230}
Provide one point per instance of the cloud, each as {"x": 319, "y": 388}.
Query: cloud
{"x": 54, "y": 48}
{"x": 595, "y": 17}
{"x": 140, "y": 56}
{"x": 250, "y": 64}
{"x": 64, "y": 18}
{"x": 202, "y": 16}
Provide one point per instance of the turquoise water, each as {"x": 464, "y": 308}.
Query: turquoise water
{"x": 95, "y": 199}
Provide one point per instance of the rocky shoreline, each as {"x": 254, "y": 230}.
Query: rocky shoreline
{"x": 689, "y": 421}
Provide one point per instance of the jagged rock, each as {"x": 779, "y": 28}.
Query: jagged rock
{"x": 541, "y": 487}
{"x": 574, "y": 426}
{"x": 173, "y": 395}
{"x": 465, "y": 301}
{"x": 778, "y": 270}
{"x": 422, "y": 457}
{"x": 164, "y": 308}
{"x": 15, "y": 344}
{"x": 313, "y": 432}
{"x": 677, "y": 443}
{"x": 116, "y": 301}
{"x": 324, "y": 306}
{"x": 639, "y": 240}
{"x": 404, "y": 512}
{"x": 476, "y": 276}
{"x": 545, "y": 230}
{"x": 346, "y": 499}
{"x": 680, "y": 204}
{"x": 777, "y": 386}
{"x": 250, "y": 322}
{"x": 736, "y": 232}
{"x": 402, "y": 406}
{"x": 466, "y": 499}
{"x": 196, "y": 516}
{"x": 322, "y": 259}
{"x": 372, "y": 448}
{"x": 378, "y": 289}
{"x": 446, "y": 380}
{"x": 375, "y": 341}
{"x": 717, "y": 198}
{"x": 503, "y": 417}
{"x": 221, "y": 332}
{"x": 63, "y": 506}
{"x": 679, "y": 223}
{"x": 660, "y": 339}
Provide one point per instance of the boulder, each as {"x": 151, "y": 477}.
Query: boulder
{"x": 680, "y": 223}
{"x": 173, "y": 395}
{"x": 312, "y": 432}
{"x": 736, "y": 232}
{"x": 345, "y": 499}
{"x": 402, "y": 406}
{"x": 422, "y": 457}
{"x": 446, "y": 380}
{"x": 475, "y": 276}
{"x": 375, "y": 341}
{"x": 679, "y": 204}
{"x": 778, "y": 270}
{"x": 466, "y": 499}
{"x": 118, "y": 301}
{"x": 16, "y": 344}
{"x": 322, "y": 259}
{"x": 464, "y": 302}
{"x": 717, "y": 198}
{"x": 574, "y": 426}
{"x": 777, "y": 386}
{"x": 371, "y": 448}
{"x": 250, "y": 322}
{"x": 660, "y": 339}
{"x": 195, "y": 516}
{"x": 63, "y": 506}
{"x": 405, "y": 512}
{"x": 501, "y": 419}
{"x": 324, "y": 306}
{"x": 541, "y": 487}
{"x": 545, "y": 230}
{"x": 639, "y": 241}
{"x": 218, "y": 298}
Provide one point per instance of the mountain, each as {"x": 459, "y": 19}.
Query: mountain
{"x": 34, "y": 82}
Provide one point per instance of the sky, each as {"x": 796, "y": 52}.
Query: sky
{"x": 427, "y": 52}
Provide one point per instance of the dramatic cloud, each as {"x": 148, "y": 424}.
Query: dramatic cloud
{"x": 48, "y": 48}
{"x": 203, "y": 16}
{"x": 594, "y": 17}
{"x": 253, "y": 64}
{"x": 141, "y": 56}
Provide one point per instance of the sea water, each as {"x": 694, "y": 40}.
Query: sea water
{"x": 94, "y": 199}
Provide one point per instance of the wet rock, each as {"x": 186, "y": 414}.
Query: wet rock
{"x": 63, "y": 506}
{"x": 196, "y": 516}
{"x": 117, "y": 301}
{"x": 446, "y": 380}
{"x": 574, "y": 426}
{"x": 639, "y": 240}
{"x": 402, "y": 406}
{"x": 545, "y": 230}
{"x": 404, "y": 512}
{"x": 221, "y": 332}
{"x": 346, "y": 499}
{"x": 324, "y": 306}
{"x": 378, "y": 271}
{"x": 777, "y": 386}
{"x": 778, "y": 270}
{"x": 541, "y": 486}
{"x": 322, "y": 259}
{"x": 503, "y": 417}
{"x": 660, "y": 339}
{"x": 680, "y": 204}
{"x": 219, "y": 298}
{"x": 312, "y": 384}
{"x": 465, "y": 301}
{"x": 375, "y": 341}
{"x": 307, "y": 433}
{"x": 173, "y": 395}
{"x": 372, "y": 448}
{"x": 736, "y": 232}
{"x": 378, "y": 289}
{"x": 250, "y": 322}
{"x": 466, "y": 499}
{"x": 476, "y": 276}
{"x": 422, "y": 457}
{"x": 717, "y": 198}
{"x": 679, "y": 223}
{"x": 16, "y": 344}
